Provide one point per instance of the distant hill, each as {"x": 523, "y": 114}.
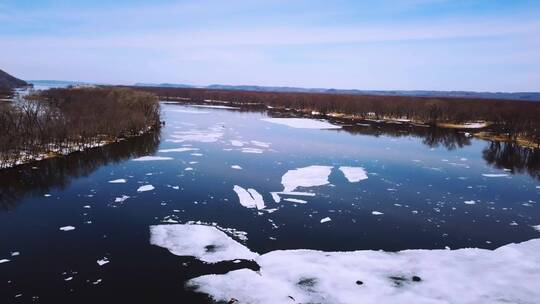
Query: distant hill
{"x": 527, "y": 96}
{"x": 8, "y": 81}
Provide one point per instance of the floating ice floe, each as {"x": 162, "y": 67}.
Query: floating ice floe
{"x": 118, "y": 181}
{"x": 103, "y": 261}
{"x": 152, "y": 158}
{"x": 145, "y": 188}
{"x": 471, "y": 202}
{"x": 295, "y": 200}
{"x": 67, "y": 228}
{"x": 237, "y": 167}
{"x": 249, "y": 198}
{"x": 237, "y": 143}
{"x": 121, "y": 199}
{"x": 305, "y": 177}
{"x": 4, "y": 261}
{"x": 354, "y": 174}
{"x": 326, "y": 219}
{"x": 252, "y": 150}
{"x": 377, "y": 213}
{"x": 189, "y": 111}
{"x": 206, "y": 243}
{"x": 177, "y": 150}
{"x": 277, "y": 198}
{"x": 260, "y": 144}
{"x": 505, "y": 275}
{"x": 302, "y": 123}
{"x": 494, "y": 175}
{"x": 214, "y": 107}
{"x": 537, "y": 228}
{"x": 205, "y": 136}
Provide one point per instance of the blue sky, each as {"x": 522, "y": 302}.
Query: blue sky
{"x": 481, "y": 45}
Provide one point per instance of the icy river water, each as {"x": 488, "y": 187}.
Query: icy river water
{"x": 99, "y": 226}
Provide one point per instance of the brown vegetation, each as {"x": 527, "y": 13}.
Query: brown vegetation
{"x": 514, "y": 119}
{"x": 67, "y": 120}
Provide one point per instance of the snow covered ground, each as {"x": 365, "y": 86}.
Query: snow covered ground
{"x": 508, "y": 274}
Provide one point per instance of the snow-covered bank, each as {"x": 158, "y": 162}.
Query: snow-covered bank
{"x": 508, "y": 274}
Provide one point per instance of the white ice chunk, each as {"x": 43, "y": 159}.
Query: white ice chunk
{"x": 505, "y": 275}
{"x": 377, "y": 213}
{"x": 326, "y": 219}
{"x": 249, "y": 198}
{"x": 118, "y": 181}
{"x": 237, "y": 143}
{"x": 145, "y": 188}
{"x": 214, "y": 107}
{"x": 305, "y": 177}
{"x": 103, "y": 261}
{"x": 302, "y": 123}
{"x": 237, "y": 167}
{"x": 494, "y": 175}
{"x": 206, "y": 243}
{"x": 471, "y": 202}
{"x": 152, "y": 158}
{"x": 252, "y": 150}
{"x": 4, "y": 261}
{"x": 121, "y": 199}
{"x": 354, "y": 174}
{"x": 260, "y": 144}
{"x": 205, "y": 136}
{"x": 294, "y": 200}
{"x": 67, "y": 228}
{"x": 177, "y": 150}
{"x": 189, "y": 111}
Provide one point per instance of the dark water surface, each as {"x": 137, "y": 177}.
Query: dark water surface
{"x": 418, "y": 178}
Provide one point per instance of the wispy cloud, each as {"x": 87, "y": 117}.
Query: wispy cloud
{"x": 413, "y": 44}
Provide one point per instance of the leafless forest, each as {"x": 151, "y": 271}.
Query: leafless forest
{"x": 67, "y": 120}
{"x": 514, "y": 119}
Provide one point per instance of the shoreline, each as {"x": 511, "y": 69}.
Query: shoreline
{"x": 46, "y": 155}
{"x": 477, "y": 129}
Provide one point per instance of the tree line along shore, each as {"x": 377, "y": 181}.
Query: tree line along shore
{"x": 60, "y": 121}
{"x": 501, "y": 120}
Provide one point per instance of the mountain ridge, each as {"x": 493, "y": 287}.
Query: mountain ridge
{"x": 10, "y": 82}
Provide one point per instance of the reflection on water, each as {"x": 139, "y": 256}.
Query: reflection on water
{"x": 514, "y": 158}
{"x": 40, "y": 177}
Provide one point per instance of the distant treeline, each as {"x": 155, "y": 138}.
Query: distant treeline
{"x": 511, "y": 117}
{"x": 67, "y": 120}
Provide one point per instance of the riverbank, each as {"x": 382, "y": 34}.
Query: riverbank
{"x": 58, "y": 122}
{"x": 479, "y": 129}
